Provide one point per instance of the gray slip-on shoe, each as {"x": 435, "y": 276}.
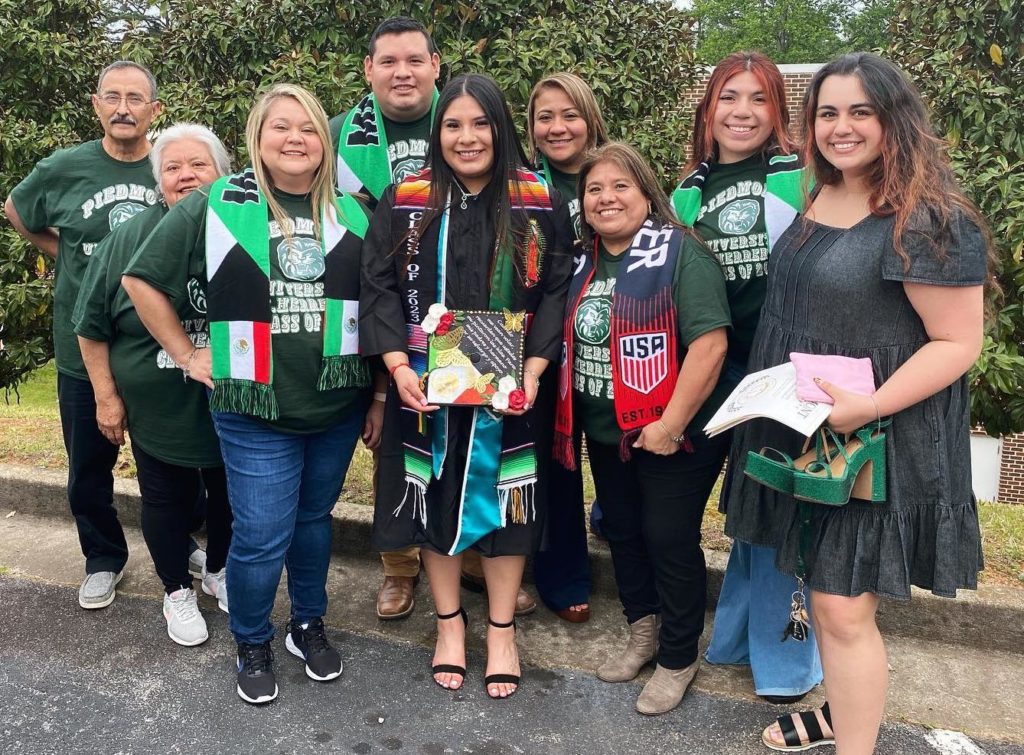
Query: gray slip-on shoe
{"x": 97, "y": 590}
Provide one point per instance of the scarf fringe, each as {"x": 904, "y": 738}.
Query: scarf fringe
{"x": 564, "y": 451}
{"x": 244, "y": 397}
{"x": 348, "y": 371}
{"x": 417, "y": 489}
{"x": 517, "y": 502}
{"x": 626, "y": 444}
{"x": 628, "y": 438}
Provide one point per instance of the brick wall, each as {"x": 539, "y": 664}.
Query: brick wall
{"x": 1011, "y": 473}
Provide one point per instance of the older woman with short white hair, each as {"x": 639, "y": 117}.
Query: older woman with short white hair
{"x": 140, "y": 389}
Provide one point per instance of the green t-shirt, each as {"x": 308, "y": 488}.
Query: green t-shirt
{"x": 731, "y": 222}
{"x": 407, "y": 145}
{"x": 85, "y": 194}
{"x": 297, "y": 303}
{"x": 168, "y": 417}
{"x": 701, "y": 306}
{"x": 565, "y": 183}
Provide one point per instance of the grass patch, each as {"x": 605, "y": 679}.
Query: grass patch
{"x": 30, "y": 435}
{"x": 1002, "y": 540}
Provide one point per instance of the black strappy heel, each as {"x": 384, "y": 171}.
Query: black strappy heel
{"x": 451, "y": 668}
{"x": 502, "y": 678}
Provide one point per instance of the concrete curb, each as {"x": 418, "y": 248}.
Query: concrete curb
{"x": 982, "y": 619}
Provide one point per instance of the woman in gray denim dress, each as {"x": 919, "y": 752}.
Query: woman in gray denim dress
{"x": 889, "y": 263}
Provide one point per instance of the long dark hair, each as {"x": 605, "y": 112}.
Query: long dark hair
{"x": 703, "y": 145}
{"x": 510, "y": 217}
{"x": 911, "y": 179}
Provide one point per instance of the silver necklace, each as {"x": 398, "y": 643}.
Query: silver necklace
{"x": 466, "y": 196}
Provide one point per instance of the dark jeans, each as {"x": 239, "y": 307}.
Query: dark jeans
{"x": 91, "y": 459}
{"x": 653, "y": 506}
{"x": 169, "y": 494}
{"x": 561, "y": 568}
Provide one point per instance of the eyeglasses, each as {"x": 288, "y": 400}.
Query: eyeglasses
{"x": 111, "y": 99}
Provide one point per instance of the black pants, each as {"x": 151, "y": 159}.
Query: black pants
{"x": 91, "y": 459}
{"x": 653, "y": 507}
{"x": 169, "y": 494}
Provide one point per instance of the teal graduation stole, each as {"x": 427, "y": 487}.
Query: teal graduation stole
{"x": 238, "y": 296}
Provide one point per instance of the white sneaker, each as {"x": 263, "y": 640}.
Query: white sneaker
{"x": 185, "y": 625}
{"x": 197, "y": 562}
{"x": 216, "y": 584}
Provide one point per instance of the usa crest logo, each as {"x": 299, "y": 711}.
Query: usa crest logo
{"x": 643, "y": 360}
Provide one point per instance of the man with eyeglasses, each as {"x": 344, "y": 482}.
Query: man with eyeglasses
{"x": 68, "y": 203}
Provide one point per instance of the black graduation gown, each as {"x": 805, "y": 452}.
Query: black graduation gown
{"x": 382, "y": 329}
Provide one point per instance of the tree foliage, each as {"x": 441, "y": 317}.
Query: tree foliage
{"x": 968, "y": 60}
{"x": 790, "y": 31}
{"x": 212, "y": 58}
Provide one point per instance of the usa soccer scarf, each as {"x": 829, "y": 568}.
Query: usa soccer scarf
{"x": 501, "y": 468}
{"x": 238, "y": 297}
{"x": 363, "y": 163}
{"x": 643, "y": 336}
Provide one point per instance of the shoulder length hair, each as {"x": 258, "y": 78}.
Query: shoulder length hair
{"x": 632, "y": 162}
{"x": 703, "y": 145}
{"x": 322, "y": 192}
{"x": 582, "y": 98}
{"x": 509, "y": 157}
{"x": 912, "y": 175}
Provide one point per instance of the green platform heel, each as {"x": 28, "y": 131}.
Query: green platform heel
{"x": 774, "y": 468}
{"x": 857, "y": 470}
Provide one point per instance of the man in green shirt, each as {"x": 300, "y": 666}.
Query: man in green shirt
{"x": 68, "y": 203}
{"x": 380, "y": 141}
{"x": 384, "y": 137}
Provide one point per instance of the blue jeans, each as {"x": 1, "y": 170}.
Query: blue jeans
{"x": 753, "y": 609}
{"x": 282, "y": 488}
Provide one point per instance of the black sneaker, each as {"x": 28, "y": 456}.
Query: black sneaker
{"x": 256, "y": 681}
{"x": 309, "y": 642}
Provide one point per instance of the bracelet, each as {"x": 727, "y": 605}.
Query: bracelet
{"x": 392, "y": 370}
{"x": 878, "y": 415}
{"x": 677, "y": 439}
{"x": 382, "y": 397}
{"x": 531, "y": 373}
{"x": 186, "y": 369}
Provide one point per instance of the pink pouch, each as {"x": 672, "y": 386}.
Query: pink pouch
{"x": 850, "y": 374}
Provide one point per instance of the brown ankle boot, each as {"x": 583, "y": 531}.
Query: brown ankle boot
{"x": 640, "y": 650}
{"x": 665, "y": 689}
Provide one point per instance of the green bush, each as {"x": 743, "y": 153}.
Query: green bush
{"x": 968, "y": 60}
{"x": 211, "y": 59}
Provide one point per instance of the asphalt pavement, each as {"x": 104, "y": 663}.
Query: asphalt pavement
{"x": 109, "y": 681}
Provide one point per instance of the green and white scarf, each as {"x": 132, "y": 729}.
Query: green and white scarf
{"x": 783, "y": 195}
{"x": 363, "y": 163}
{"x": 238, "y": 297}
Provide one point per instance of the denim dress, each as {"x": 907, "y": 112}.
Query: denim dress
{"x": 840, "y": 291}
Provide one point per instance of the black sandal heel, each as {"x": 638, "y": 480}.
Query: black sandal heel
{"x": 502, "y": 678}
{"x": 451, "y": 668}
{"x": 793, "y": 741}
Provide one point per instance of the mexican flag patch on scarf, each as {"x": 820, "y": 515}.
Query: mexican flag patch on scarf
{"x": 238, "y": 297}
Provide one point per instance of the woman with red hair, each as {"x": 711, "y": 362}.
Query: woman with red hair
{"x": 742, "y": 189}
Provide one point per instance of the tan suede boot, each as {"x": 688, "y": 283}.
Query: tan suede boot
{"x": 640, "y": 650}
{"x": 665, "y": 689}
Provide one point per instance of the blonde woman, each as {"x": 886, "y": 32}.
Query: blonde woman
{"x": 278, "y": 250}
